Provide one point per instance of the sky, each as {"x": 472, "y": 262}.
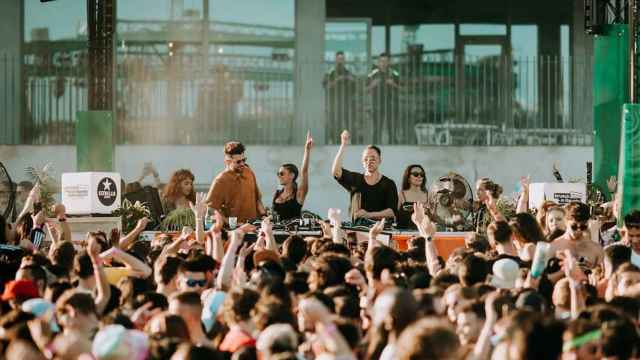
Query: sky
{"x": 66, "y": 18}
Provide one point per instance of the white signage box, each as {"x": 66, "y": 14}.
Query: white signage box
{"x": 89, "y": 193}
{"x": 560, "y": 193}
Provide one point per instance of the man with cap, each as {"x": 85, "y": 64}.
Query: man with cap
{"x": 505, "y": 274}
{"x": 18, "y": 291}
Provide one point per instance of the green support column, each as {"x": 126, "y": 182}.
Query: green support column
{"x": 94, "y": 141}
{"x": 629, "y": 174}
{"x": 610, "y": 93}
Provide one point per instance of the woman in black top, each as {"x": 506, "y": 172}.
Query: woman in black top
{"x": 414, "y": 189}
{"x": 289, "y": 199}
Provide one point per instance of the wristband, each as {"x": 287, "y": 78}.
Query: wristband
{"x": 428, "y": 238}
{"x": 62, "y": 219}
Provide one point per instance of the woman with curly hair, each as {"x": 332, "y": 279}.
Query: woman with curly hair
{"x": 179, "y": 191}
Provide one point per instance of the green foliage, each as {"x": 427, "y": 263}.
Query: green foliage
{"x": 177, "y": 219}
{"x": 48, "y": 186}
{"x": 131, "y": 213}
{"x": 506, "y": 206}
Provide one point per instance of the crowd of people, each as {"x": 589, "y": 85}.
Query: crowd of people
{"x": 556, "y": 282}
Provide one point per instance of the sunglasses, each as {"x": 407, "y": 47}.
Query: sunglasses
{"x": 417, "y": 174}
{"x": 241, "y": 161}
{"x": 582, "y": 227}
{"x": 281, "y": 173}
{"x": 194, "y": 283}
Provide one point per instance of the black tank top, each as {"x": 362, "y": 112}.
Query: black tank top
{"x": 290, "y": 209}
{"x": 404, "y": 215}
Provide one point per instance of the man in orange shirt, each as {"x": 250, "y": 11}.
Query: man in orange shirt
{"x": 234, "y": 192}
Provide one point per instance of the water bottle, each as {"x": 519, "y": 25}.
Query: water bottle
{"x": 540, "y": 258}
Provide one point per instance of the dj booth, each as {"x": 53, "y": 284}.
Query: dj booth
{"x": 444, "y": 242}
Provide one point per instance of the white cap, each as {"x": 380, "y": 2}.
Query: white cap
{"x": 505, "y": 274}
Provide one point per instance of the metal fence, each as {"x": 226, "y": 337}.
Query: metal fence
{"x": 433, "y": 99}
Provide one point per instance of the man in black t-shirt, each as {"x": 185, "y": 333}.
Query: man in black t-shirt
{"x": 373, "y": 195}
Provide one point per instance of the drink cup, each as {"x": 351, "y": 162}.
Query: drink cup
{"x": 540, "y": 258}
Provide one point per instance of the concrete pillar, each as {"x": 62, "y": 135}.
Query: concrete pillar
{"x": 549, "y": 75}
{"x": 310, "y": 16}
{"x": 581, "y": 71}
{"x": 11, "y": 91}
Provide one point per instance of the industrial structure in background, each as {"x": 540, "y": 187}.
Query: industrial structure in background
{"x": 173, "y": 76}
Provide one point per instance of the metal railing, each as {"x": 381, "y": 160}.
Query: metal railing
{"x": 433, "y": 99}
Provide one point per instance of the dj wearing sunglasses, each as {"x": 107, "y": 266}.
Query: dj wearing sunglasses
{"x": 578, "y": 239}
{"x": 234, "y": 192}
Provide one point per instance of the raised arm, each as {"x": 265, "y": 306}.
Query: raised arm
{"x": 303, "y": 189}
{"x": 126, "y": 241}
{"x": 266, "y": 228}
{"x": 523, "y": 200}
{"x": 136, "y": 267}
{"x": 102, "y": 284}
{"x": 427, "y": 230}
{"x": 32, "y": 198}
{"x": 199, "y": 210}
{"x": 576, "y": 278}
{"x": 215, "y": 247}
{"x": 336, "y": 224}
{"x": 336, "y": 169}
{"x": 223, "y": 281}
{"x": 492, "y": 206}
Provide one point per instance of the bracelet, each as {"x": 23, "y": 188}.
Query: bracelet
{"x": 62, "y": 219}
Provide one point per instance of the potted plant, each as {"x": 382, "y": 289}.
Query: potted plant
{"x": 130, "y": 213}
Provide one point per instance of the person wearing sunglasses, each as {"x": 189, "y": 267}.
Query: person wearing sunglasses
{"x": 192, "y": 276}
{"x": 577, "y": 239}
{"x": 414, "y": 190}
{"x": 289, "y": 199}
{"x": 234, "y": 192}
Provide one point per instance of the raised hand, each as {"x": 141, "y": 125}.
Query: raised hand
{"x": 489, "y": 200}
{"x": 53, "y": 232}
{"x": 314, "y": 310}
{"x": 571, "y": 268}
{"x": 219, "y": 222}
{"x": 266, "y": 227}
{"x": 245, "y": 250}
{"x": 354, "y": 277}
{"x": 525, "y": 181}
{"x": 34, "y": 194}
{"x": 377, "y": 228}
{"x": 93, "y": 248}
{"x": 309, "y": 142}
{"x": 422, "y": 221}
{"x": 245, "y": 229}
{"x": 612, "y": 184}
{"x": 200, "y": 207}
{"x": 38, "y": 219}
{"x": 418, "y": 213}
{"x": 142, "y": 223}
{"x": 345, "y": 137}
{"x": 334, "y": 216}
{"x": 59, "y": 211}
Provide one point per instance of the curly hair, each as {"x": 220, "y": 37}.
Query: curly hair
{"x": 172, "y": 191}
